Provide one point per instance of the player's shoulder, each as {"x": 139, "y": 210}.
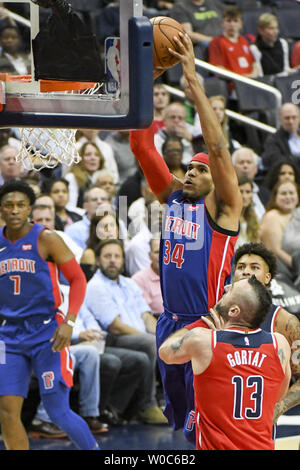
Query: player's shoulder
{"x": 49, "y": 238}
{"x": 282, "y": 342}
{"x": 200, "y": 336}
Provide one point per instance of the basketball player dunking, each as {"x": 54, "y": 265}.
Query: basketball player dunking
{"x": 200, "y": 230}
{"x": 33, "y": 335}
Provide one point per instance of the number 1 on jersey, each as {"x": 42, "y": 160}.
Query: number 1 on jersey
{"x": 176, "y": 256}
{"x": 17, "y": 284}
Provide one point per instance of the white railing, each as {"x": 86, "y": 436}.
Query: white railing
{"x": 16, "y": 17}
{"x": 231, "y": 114}
{"x": 248, "y": 81}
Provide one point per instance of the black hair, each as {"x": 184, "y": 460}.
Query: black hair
{"x": 171, "y": 138}
{"x": 264, "y": 298}
{"x": 60, "y": 180}
{"x": 9, "y": 26}
{"x": 17, "y": 186}
{"x": 243, "y": 179}
{"x": 258, "y": 249}
{"x": 272, "y": 176}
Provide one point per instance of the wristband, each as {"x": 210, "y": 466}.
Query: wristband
{"x": 70, "y": 323}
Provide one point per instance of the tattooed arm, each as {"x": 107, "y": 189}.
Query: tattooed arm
{"x": 184, "y": 346}
{"x": 289, "y": 326}
{"x": 284, "y": 354}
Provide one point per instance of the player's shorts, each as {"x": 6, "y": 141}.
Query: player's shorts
{"x": 177, "y": 379}
{"x": 25, "y": 350}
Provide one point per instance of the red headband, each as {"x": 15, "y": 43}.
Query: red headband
{"x": 201, "y": 157}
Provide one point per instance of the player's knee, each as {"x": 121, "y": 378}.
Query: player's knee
{"x": 10, "y": 409}
{"x": 9, "y": 415}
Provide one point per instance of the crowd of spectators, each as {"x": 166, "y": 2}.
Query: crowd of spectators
{"x": 106, "y": 213}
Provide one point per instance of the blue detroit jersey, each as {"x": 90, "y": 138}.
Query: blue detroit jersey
{"x": 195, "y": 258}
{"x": 29, "y": 284}
{"x": 269, "y": 322}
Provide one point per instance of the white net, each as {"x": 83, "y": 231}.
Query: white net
{"x": 46, "y": 148}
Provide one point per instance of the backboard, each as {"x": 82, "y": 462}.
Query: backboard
{"x": 124, "y": 101}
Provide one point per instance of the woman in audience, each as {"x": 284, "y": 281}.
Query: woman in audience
{"x": 59, "y": 192}
{"x": 249, "y": 225}
{"x": 12, "y": 59}
{"x": 172, "y": 152}
{"x": 105, "y": 226}
{"x": 271, "y": 51}
{"x": 92, "y": 135}
{"x": 218, "y": 103}
{"x": 282, "y": 171}
{"x": 84, "y": 174}
{"x": 280, "y": 226}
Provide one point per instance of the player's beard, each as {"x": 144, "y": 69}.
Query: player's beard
{"x": 222, "y": 310}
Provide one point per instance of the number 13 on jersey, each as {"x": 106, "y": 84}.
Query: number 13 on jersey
{"x": 176, "y": 256}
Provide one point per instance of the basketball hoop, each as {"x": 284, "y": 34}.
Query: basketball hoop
{"x": 46, "y": 148}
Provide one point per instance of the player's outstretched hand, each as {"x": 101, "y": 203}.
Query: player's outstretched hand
{"x": 213, "y": 320}
{"x": 62, "y": 337}
{"x": 185, "y": 52}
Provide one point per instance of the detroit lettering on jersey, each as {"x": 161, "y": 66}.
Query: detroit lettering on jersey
{"x": 185, "y": 222}
{"x": 182, "y": 227}
{"x": 17, "y": 265}
{"x": 195, "y": 257}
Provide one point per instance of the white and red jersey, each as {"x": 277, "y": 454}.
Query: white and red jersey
{"x": 236, "y": 395}
{"x": 234, "y": 56}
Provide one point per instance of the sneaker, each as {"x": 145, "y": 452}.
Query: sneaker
{"x": 153, "y": 415}
{"x": 39, "y": 428}
{"x": 112, "y": 418}
{"x": 95, "y": 425}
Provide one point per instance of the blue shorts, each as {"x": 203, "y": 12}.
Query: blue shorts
{"x": 25, "y": 350}
{"x": 177, "y": 381}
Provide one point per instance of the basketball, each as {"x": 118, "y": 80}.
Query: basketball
{"x": 164, "y": 30}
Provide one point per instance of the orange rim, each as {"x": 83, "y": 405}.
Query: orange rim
{"x": 48, "y": 85}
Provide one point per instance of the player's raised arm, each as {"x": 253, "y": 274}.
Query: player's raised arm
{"x": 225, "y": 198}
{"x": 161, "y": 182}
